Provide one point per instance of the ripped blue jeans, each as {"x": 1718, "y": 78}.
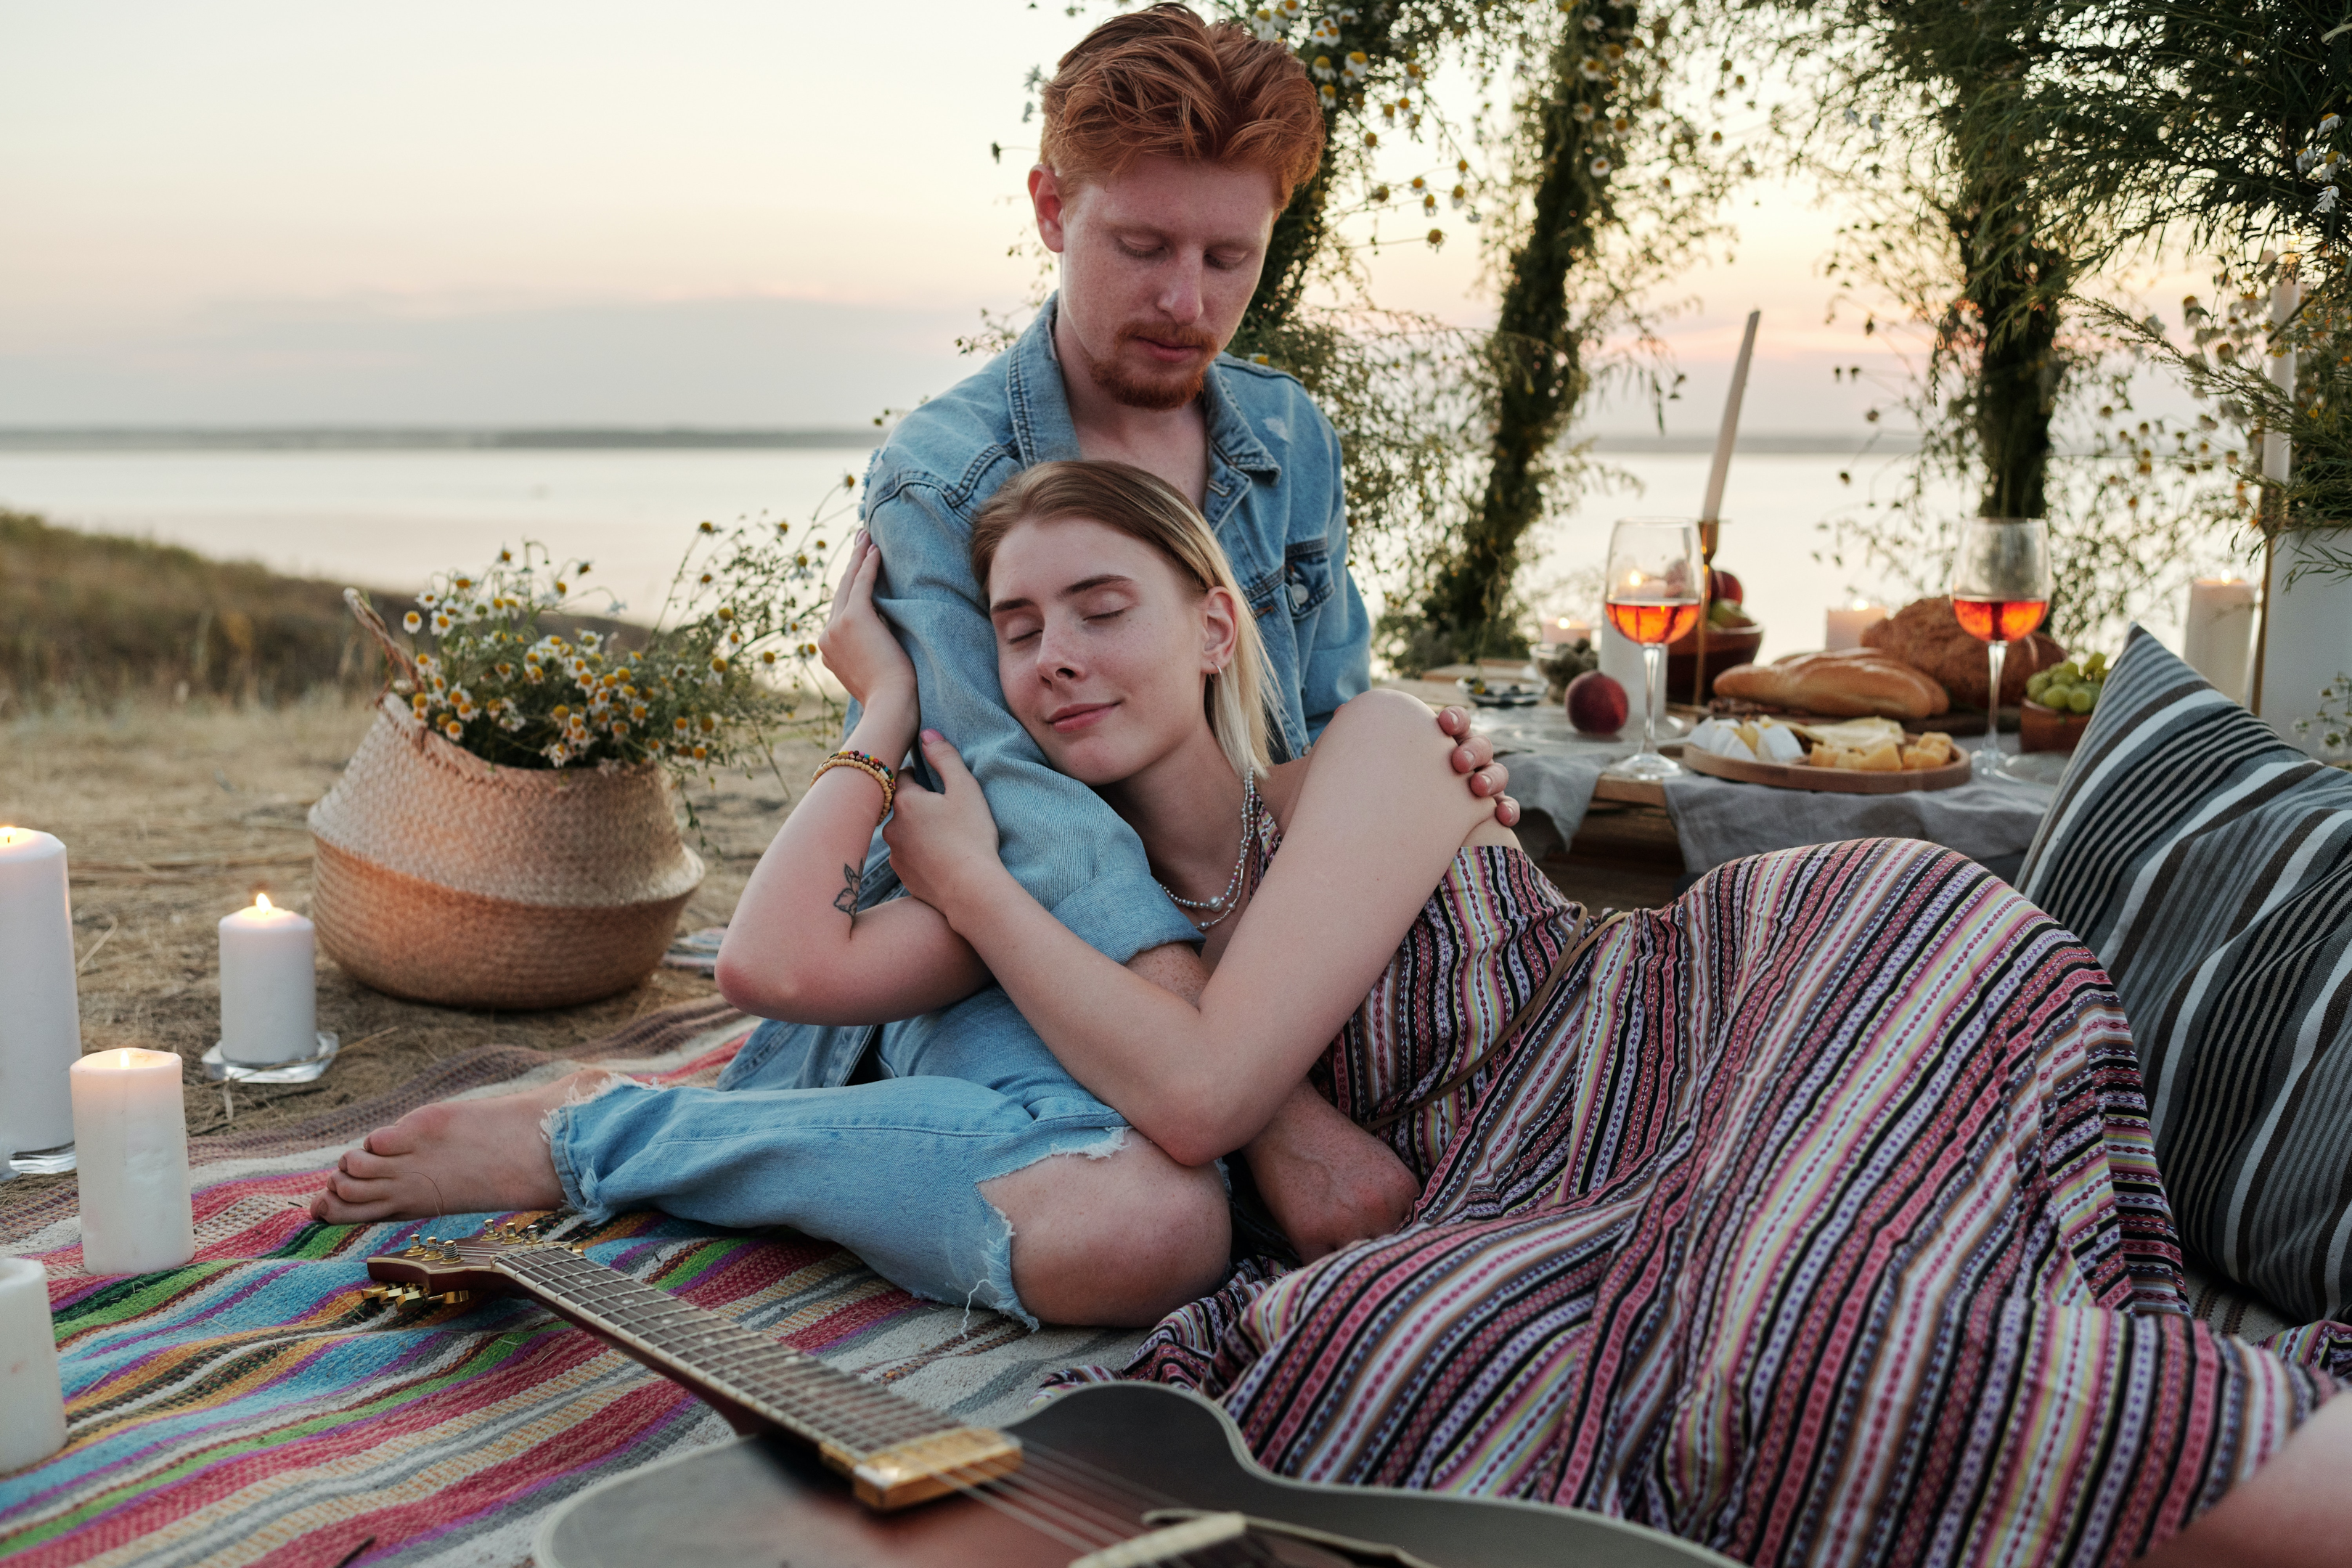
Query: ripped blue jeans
{"x": 890, "y": 1170}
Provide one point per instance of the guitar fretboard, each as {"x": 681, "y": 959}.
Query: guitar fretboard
{"x": 707, "y": 1352}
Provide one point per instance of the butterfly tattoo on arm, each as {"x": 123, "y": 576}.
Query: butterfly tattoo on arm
{"x": 846, "y": 901}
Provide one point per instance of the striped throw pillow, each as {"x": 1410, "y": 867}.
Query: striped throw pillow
{"x": 2209, "y": 866}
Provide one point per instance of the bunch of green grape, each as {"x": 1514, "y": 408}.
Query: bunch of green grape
{"x": 2073, "y": 687}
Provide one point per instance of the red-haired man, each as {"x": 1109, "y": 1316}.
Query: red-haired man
{"x": 1171, "y": 146}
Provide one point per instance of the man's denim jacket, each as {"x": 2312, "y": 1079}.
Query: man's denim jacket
{"x": 1275, "y": 503}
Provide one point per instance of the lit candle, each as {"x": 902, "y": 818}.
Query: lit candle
{"x": 1560, "y": 629}
{"x": 41, "y": 1022}
{"x": 268, "y": 984}
{"x": 2219, "y": 634}
{"x": 132, "y": 1138}
{"x": 1847, "y": 624}
{"x": 32, "y": 1406}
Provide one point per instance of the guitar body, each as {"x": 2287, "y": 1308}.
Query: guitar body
{"x": 767, "y": 1502}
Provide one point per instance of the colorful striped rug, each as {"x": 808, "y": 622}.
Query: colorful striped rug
{"x": 253, "y": 1407}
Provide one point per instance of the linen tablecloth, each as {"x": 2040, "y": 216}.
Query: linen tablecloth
{"x": 1554, "y": 771}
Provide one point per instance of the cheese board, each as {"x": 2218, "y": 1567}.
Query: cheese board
{"x": 1836, "y": 781}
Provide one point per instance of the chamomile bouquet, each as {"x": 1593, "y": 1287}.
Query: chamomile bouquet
{"x": 725, "y": 669}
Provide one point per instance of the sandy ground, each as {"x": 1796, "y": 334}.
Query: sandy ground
{"x": 175, "y": 816}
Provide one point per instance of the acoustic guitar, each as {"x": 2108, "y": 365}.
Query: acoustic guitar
{"x": 834, "y": 1472}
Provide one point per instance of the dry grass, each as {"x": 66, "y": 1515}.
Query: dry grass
{"x": 93, "y": 619}
{"x": 174, "y": 816}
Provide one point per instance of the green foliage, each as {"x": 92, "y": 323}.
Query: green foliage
{"x": 705, "y": 688}
{"x": 2017, "y": 371}
{"x": 2217, "y": 126}
{"x": 1566, "y": 285}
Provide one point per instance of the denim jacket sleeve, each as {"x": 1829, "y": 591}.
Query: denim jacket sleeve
{"x": 1337, "y": 665}
{"x": 1055, "y": 834}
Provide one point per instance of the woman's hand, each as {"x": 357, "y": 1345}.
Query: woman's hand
{"x": 857, "y": 644}
{"x": 943, "y": 844}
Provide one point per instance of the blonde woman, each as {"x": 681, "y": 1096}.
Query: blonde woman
{"x": 1812, "y": 1217}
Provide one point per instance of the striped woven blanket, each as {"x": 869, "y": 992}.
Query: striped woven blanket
{"x": 1813, "y": 1219}
{"x": 253, "y": 1407}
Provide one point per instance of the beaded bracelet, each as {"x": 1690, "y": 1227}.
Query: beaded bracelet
{"x": 873, "y": 767}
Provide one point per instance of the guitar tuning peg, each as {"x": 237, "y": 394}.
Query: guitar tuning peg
{"x": 375, "y": 1292}
{"x": 454, "y": 1297}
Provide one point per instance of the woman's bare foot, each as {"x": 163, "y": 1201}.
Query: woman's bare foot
{"x": 472, "y": 1156}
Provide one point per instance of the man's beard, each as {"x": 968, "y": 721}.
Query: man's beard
{"x": 1172, "y": 389}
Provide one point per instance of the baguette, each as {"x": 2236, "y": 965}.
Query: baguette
{"x": 1843, "y": 685}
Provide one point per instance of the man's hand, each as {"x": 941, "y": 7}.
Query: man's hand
{"x": 1475, "y": 757}
{"x": 1328, "y": 1182}
{"x": 943, "y": 842}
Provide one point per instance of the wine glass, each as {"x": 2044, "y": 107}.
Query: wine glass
{"x": 1653, "y": 592}
{"x": 2001, "y": 591}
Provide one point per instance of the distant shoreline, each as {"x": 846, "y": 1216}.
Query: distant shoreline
{"x": 419, "y": 438}
{"x": 426, "y": 438}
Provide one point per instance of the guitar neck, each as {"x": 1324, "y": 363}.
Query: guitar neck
{"x": 895, "y": 1450}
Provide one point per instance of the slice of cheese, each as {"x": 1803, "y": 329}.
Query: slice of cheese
{"x": 1782, "y": 745}
{"x": 1859, "y": 734}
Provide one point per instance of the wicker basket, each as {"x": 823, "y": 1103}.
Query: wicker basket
{"x": 444, "y": 878}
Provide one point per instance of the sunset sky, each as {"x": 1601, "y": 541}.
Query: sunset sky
{"x": 713, "y": 212}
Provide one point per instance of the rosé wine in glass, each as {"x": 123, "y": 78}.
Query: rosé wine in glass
{"x": 1655, "y": 592}
{"x": 2000, "y": 592}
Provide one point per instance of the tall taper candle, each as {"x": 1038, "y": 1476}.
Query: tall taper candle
{"x": 40, "y": 1021}
{"x": 132, "y": 1138}
{"x": 1712, "y": 507}
{"x": 270, "y": 985}
{"x": 32, "y": 1406}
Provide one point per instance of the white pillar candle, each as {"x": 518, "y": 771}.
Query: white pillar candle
{"x": 1566, "y": 629}
{"x": 40, "y": 1021}
{"x": 132, "y": 1137}
{"x": 1847, "y": 624}
{"x": 32, "y": 1404}
{"x": 2219, "y": 634}
{"x": 269, "y": 988}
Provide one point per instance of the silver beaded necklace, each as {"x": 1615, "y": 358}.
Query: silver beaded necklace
{"x": 1223, "y": 903}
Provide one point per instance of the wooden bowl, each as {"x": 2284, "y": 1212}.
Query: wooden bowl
{"x": 1725, "y": 646}
{"x": 2041, "y": 728}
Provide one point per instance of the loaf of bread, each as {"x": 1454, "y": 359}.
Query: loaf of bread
{"x": 1843, "y": 685}
{"x": 1926, "y": 634}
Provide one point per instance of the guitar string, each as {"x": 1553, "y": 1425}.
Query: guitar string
{"x": 865, "y": 1421}
{"x": 1076, "y": 1483}
{"x": 1099, "y": 1516}
{"x": 1255, "y": 1551}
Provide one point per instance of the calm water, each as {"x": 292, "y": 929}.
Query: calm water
{"x": 385, "y": 519}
